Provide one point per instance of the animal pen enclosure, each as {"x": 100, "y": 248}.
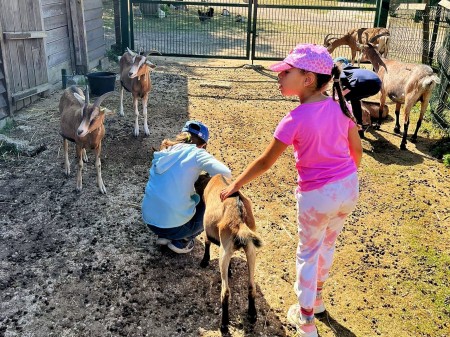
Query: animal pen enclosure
{"x": 38, "y": 38}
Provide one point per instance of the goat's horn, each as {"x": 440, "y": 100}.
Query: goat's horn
{"x": 373, "y": 39}
{"x": 100, "y": 99}
{"x": 326, "y": 40}
{"x": 86, "y": 95}
{"x": 153, "y": 52}
{"x": 132, "y": 53}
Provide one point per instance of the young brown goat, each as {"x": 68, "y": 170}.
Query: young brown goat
{"x": 231, "y": 225}
{"x": 404, "y": 83}
{"x": 82, "y": 124}
{"x": 135, "y": 78}
{"x": 357, "y": 36}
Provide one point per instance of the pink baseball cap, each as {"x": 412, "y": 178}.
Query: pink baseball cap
{"x": 310, "y": 57}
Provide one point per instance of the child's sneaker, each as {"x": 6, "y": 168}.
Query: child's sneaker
{"x": 304, "y": 324}
{"x": 181, "y": 246}
{"x": 319, "y": 307}
{"x": 162, "y": 241}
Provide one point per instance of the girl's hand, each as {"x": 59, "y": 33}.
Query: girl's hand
{"x": 226, "y": 192}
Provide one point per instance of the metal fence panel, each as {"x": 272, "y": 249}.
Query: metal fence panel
{"x": 187, "y": 28}
{"x": 281, "y": 24}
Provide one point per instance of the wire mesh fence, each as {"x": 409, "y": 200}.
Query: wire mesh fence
{"x": 268, "y": 29}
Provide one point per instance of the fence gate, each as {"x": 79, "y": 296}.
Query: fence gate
{"x": 243, "y": 29}
{"x": 23, "y": 51}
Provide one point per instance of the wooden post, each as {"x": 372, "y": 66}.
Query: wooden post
{"x": 426, "y": 33}
{"x": 117, "y": 32}
{"x": 79, "y": 36}
{"x": 5, "y": 72}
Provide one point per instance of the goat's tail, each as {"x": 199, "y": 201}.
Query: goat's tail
{"x": 245, "y": 236}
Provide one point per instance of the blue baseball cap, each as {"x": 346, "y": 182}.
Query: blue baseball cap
{"x": 341, "y": 59}
{"x": 197, "y": 128}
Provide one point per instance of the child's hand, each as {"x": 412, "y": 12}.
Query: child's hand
{"x": 226, "y": 192}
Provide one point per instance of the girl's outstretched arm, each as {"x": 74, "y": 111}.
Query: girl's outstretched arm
{"x": 354, "y": 143}
{"x": 256, "y": 168}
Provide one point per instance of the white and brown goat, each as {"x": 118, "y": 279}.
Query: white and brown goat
{"x": 135, "y": 78}
{"x": 403, "y": 83}
{"x": 82, "y": 124}
{"x": 231, "y": 225}
{"x": 357, "y": 36}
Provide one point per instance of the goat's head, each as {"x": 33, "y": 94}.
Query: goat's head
{"x": 139, "y": 64}
{"x": 327, "y": 42}
{"x": 203, "y": 16}
{"x": 93, "y": 115}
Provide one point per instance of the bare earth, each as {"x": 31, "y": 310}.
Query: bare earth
{"x": 84, "y": 264}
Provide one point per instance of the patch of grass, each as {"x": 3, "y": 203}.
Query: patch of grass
{"x": 10, "y": 125}
{"x": 446, "y": 159}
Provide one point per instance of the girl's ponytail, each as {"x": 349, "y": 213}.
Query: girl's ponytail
{"x": 336, "y": 73}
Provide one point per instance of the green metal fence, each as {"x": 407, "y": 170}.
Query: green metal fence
{"x": 247, "y": 29}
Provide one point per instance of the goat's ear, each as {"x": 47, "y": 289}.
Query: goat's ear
{"x": 79, "y": 98}
{"x": 151, "y": 65}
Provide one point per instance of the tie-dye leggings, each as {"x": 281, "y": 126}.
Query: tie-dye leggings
{"x": 321, "y": 216}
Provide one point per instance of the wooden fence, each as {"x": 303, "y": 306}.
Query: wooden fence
{"x": 41, "y": 37}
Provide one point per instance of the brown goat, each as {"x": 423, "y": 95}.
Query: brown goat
{"x": 231, "y": 225}
{"x": 82, "y": 124}
{"x": 357, "y": 36}
{"x": 404, "y": 83}
{"x": 135, "y": 78}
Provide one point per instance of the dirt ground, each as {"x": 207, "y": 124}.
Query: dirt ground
{"x": 84, "y": 264}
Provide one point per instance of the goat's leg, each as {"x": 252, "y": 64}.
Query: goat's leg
{"x": 121, "y": 101}
{"x": 66, "y": 157}
{"x": 85, "y": 157}
{"x": 144, "y": 113}
{"x": 408, "y": 106}
{"x": 224, "y": 261}
{"x": 397, "y": 117}
{"x": 206, "y": 257}
{"x": 251, "y": 261}
{"x": 98, "y": 166}
{"x": 423, "y": 108}
{"x": 80, "y": 167}
{"x": 377, "y": 125}
{"x": 136, "y": 112}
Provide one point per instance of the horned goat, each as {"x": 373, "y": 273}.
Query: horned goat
{"x": 135, "y": 78}
{"x": 403, "y": 83}
{"x": 82, "y": 124}
{"x": 357, "y": 36}
{"x": 231, "y": 225}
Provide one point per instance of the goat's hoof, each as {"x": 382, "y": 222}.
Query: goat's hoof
{"x": 252, "y": 317}
{"x": 413, "y": 139}
{"x": 224, "y": 328}
{"x": 121, "y": 113}
{"x": 102, "y": 189}
{"x": 67, "y": 172}
{"x": 204, "y": 263}
{"x": 402, "y": 146}
{"x": 136, "y": 133}
{"x": 376, "y": 126}
{"x": 147, "y": 132}
{"x": 79, "y": 189}
{"x": 397, "y": 130}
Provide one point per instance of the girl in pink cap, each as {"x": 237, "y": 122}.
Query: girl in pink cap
{"x": 327, "y": 150}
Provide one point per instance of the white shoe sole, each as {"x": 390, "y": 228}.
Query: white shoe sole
{"x": 163, "y": 241}
{"x": 179, "y": 250}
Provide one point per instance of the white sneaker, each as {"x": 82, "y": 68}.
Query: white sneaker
{"x": 305, "y": 328}
{"x": 181, "y": 246}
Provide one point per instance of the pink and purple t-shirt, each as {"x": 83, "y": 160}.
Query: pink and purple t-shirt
{"x": 319, "y": 134}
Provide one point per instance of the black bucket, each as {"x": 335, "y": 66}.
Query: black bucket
{"x": 101, "y": 82}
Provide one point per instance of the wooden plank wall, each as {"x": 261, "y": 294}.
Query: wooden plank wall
{"x": 59, "y": 47}
{"x": 93, "y": 11}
